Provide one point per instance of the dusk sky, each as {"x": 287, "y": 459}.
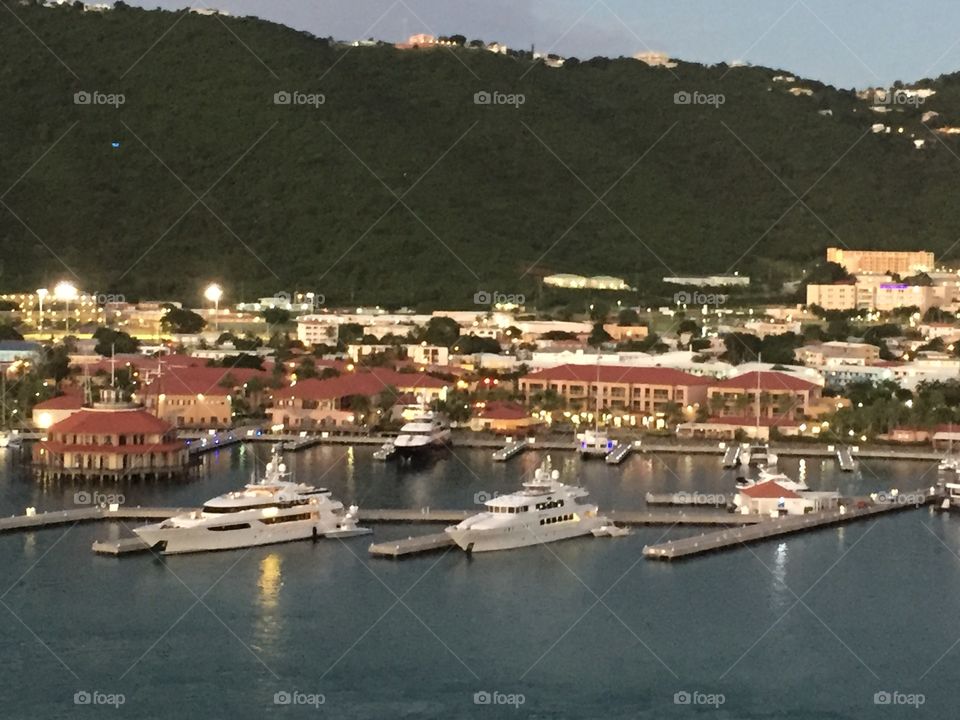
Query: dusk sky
{"x": 848, "y": 44}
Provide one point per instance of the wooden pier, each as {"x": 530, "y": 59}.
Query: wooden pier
{"x": 412, "y": 545}
{"x": 686, "y": 499}
{"x": 845, "y": 459}
{"x": 619, "y": 453}
{"x": 124, "y": 546}
{"x": 774, "y": 528}
{"x": 84, "y": 514}
{"x": 511, "y": 450}
{"x": 731, "y": 456}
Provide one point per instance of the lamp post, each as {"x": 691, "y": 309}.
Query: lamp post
{"x": 213, "y": 293}
{"x": 41, "y": 294}
{"x": 66, "y": 291}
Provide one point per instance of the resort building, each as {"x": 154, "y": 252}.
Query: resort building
{"x": 709, "y": 280}
{"x": 345, "y": 401}
{"x": 503, "y": 418}
{"x": 111, "y": 440}
{"x": 636, "y": 390}
{"x": 49, "y": 412}
{"x": 834, "y": 353}
{"x": 881, "y": 261}
{"x": 778, "y": 395}
{"x": 580, "y": 282}
{"x": 196, "y": 397}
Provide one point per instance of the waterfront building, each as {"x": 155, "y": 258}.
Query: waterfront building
{"x": 343, "y": 401}
{"x": 503, "y": 418}
{"x": 197, "y": 396}
{"x": 49, "y": 412}
{"x": 110, "y": 440}
{"x": 635, "y": 390}
{"x": 776, "y": 394}
{"x": 882, "y": 261}
{"x": 770, "y": 498}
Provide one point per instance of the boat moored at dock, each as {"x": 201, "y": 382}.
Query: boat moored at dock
{"x": 545, "y": 510}
{"x": 426, "y": 432}
{"x": 271, "y": 510}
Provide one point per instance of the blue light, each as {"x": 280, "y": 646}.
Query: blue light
{"x": 115, "y": 144}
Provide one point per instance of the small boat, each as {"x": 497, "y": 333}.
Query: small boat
{"x": 948, "y": 464}
{"x": 951, "y": 498}
{"x": 594, "y": 444}
{"x": 611, "y": 530}
{"x": 385, "y": 452}
{"x": 347, "y": 527}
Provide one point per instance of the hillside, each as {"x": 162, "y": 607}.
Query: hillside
{"x": 306, "y": 197}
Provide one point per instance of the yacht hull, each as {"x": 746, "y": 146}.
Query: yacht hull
{"x": 176, "y": 540}
{"x": 503, "y": 538}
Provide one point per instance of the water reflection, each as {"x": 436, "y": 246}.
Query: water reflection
{"x": 270, "y": 581}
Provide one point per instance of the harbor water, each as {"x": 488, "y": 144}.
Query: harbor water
{"x": 855, "y": 621}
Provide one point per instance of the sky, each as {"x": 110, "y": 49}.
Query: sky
{"x": 846, "y": 43}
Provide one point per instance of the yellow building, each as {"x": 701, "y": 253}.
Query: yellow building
{"x": 882, "y": 261}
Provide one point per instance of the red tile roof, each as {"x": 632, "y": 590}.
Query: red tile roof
{"x": 768, "y": 381}
{"x": 617, "y": 374}
{"x": 70, "y": 401}
{"x": 502, "y": 411}
{"x": 768, "y": 490}
{"x": 122, "y": 421}
{"x": 369, "y": 383}
{"x": 198, "y": 380}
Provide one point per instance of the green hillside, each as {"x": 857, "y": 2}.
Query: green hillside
{"x": 493, "y": 196}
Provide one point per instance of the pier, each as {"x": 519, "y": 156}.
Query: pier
{"x": 619, "y": 453}
{"x": 412, "y": 545}
{"x": 510, "y": 450}
{"x": 845, "y": 459}
{"x": 701, "y": 499}
{"x": 53, "y": 518}
{"x": 774, "y": 528}
{"x": 124, "y": 546}
{"x": 731, "y": 456}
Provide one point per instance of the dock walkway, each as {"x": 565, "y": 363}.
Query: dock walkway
{"x": 722, "y": 539}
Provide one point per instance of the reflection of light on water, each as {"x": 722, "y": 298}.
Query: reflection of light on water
{"x": 269, "y": 582}
{"x": 268, "y": 625}
{"x": 803, "y": 469}
{"x": 780, "y": 571}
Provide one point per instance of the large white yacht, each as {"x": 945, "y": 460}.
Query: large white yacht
{"x": 273, "y": 509}
{"x": 544, "y": 511}
{"x": 427, "y": 431}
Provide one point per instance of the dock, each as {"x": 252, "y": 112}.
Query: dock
{"x": 124, "y": 546}
{"x": 511, "y": 449}
{"x": 731, "y": 456}
{"x": 700, "y": 499}
{"x": 32, "y": 520}
{"x": 845, "y": 459}
{"x": 773, "y": 528}
{"x": 412, "y": 545}
{"x": 619, "y": 453}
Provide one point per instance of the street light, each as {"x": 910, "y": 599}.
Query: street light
{"x": 41, "y": 294}
{"x": 65, "y": 291}
{"x": 213, "y": 293}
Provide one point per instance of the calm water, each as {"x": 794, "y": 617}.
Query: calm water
{"x": 812, "y": 627}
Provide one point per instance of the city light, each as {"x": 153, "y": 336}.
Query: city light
{"x": 213, "y": 293}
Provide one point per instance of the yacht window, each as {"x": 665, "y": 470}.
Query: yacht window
{"x": 285, "y": 518}
{"x": 238, "y": 526}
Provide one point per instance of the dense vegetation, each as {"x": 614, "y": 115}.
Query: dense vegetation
{"x": 491, "y": 196}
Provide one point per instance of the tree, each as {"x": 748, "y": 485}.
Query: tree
{"x": 628, "y": 317}
{"x": 276, "y": 316}
{"x": 441, "y": 331}
{"x": 181, "y": 321}
{"x": 55, "y": 363}
{"x": 598, "y": 336}
{"x": 110, "y": 341}
{"x": 471, "y": 344}
{"x": 9, "y": 332}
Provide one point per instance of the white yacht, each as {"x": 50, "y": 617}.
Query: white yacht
{"x": 544, "y": 511}
{"x": 593, "y": 444}
{"x": 951, "y": 497}
{"x": 779, "y": 478}
{"x": 427, "y": 431}
{"x": 273, "y": 509}
{"x": 757, "y": 454}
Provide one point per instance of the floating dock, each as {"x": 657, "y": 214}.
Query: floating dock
{"x": 845, "y": 459}
{"x": 619, "y": 453}
{"x": 731, "y": 456}
{"x": 511, "y": 450}
{"x": 773, "y": 528}
{"x": 699, "y": 499}
{"x": 412, "y": 545}
{"x": 124, "y": 546}
{"x": 67, "y": 517}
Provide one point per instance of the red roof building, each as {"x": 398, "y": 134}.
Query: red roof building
{"x": 316, "y": 403}
{"x": 502, "y": 418}
{"x": 777, "y": 394}
{"x": 58, "y": 408}
{"x": 768, "y": 490}
{"x": 644, "y": 390}
{"x": 110, "y": 441}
